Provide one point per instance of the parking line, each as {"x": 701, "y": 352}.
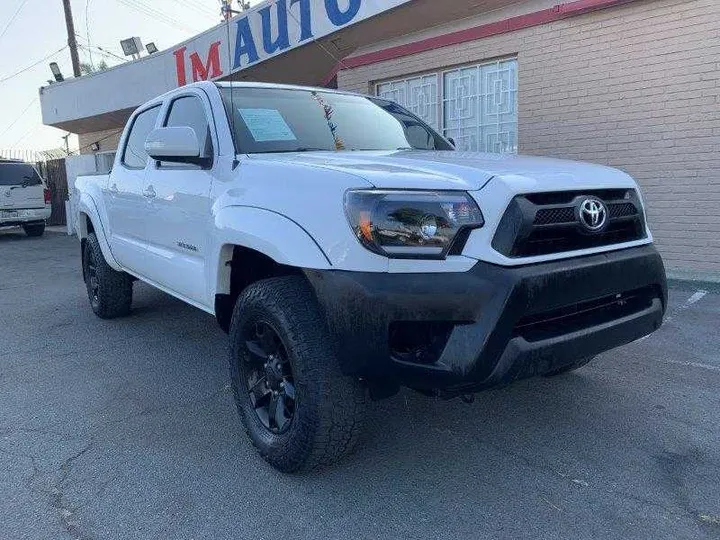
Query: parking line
{"x": 691, "y": 364}
{"x": 694, "y": 299}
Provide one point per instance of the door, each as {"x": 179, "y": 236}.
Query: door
{"x": 178, "y": 225}
{"x": 126, "y": 200}
{"x": 21, "y": 188}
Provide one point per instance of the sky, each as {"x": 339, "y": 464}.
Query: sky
{"x": 31, "y": 30}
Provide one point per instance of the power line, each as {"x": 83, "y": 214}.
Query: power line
{"x": 198, "y": 8}
{"x": 79, "y": 150}
{"x": 102, "y": 49}
{"x": 110, "y": 53}
{"x": 20, "y": 116}
{"x": 48, "y": 57}
{"x": 157, "y": 15}
{"x": 12, "y": 17}
{"x": 27, "y": 134}
{"x": 101, "y": 52}
{"x": 87, "y": 29}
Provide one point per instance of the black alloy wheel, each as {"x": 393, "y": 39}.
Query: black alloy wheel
{"x": 269, "y": 378}
{"x": 109, "y": 291}
{"x": 91, "y": 276}
{"x": 298, "y": 408}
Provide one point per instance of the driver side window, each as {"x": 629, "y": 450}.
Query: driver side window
{"x": 188, "y": 111}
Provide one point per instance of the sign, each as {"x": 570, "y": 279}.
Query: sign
{"x": 267, "y": 125}
{"x": 269, "y": 30}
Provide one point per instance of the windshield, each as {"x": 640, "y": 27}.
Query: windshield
{"x": 285, "y": 120}
{"x": 15, "y": 174}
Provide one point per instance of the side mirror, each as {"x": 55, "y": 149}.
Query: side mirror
{"x": 451, "y": 141}
{"x": 175, "y": 144}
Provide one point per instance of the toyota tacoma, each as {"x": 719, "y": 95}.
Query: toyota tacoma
{"x": 349, "y": 250}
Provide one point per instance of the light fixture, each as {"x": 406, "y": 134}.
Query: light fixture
{"x": 132, "y": 47}
{"x": 151, "y": 48}
{"x": 56, "y": 72}
{"x": 95, "y": 146}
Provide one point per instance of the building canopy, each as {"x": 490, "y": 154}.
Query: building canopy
{"x": 291, "y": 41}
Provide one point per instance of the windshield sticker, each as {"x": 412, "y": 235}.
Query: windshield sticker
{"x": 267, "y": 125}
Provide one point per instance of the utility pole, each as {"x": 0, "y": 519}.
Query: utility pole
{"x": 66, "y": 138}
{"x": 72, "y": 42}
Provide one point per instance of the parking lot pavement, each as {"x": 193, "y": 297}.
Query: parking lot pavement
{"x": 127, "y": 429}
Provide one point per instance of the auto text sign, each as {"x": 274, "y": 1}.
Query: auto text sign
{"x": 267, "y": 30}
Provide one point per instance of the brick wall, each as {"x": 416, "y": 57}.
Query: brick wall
{"x": 108, "y": 140}
{"x": 636, "y": 87}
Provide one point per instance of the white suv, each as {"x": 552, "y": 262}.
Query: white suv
{"x": 24, "y": 197}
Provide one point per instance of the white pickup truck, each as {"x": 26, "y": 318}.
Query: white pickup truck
{"x": 349, "y": 250}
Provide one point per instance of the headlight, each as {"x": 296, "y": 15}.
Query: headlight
{"x": 412, "y": 224}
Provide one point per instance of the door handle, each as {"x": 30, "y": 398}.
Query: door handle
{"x": 149, "y": 192}
{"x": 113, "y": 188}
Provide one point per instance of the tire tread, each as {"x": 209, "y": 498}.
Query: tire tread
{"x": 337, "y": 401}
{"x": 115, "y": 287}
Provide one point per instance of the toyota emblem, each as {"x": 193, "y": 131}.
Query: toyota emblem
{"x": 593, "y": 214}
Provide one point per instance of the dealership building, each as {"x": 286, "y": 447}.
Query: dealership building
{"x": 633, "y": 84}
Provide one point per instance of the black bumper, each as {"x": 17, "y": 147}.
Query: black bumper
{"x": 494, "y": 324}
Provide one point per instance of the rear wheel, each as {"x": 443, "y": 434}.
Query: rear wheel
{"x": 109, "y": 291}
{"x": 298, "y": 409}
{"x": 569, "y": 367}
{"x": 34, "y": 229}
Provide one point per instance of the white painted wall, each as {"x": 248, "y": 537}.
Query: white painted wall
{"x": 83, "y": 164}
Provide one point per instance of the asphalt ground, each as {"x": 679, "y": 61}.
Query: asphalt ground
{"x": 127, "y": 429}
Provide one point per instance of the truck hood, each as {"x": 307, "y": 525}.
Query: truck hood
{"x": 468, "y": 171}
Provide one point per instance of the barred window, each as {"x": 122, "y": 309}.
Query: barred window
{"x": 474, "y": 105}
{"x": 419, "y": 95}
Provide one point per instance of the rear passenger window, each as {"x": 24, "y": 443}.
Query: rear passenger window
{"x": 134, "y": 155}
{"x": 189, "y": 112}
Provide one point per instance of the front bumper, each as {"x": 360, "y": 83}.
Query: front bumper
{"x": 502, "y": 323}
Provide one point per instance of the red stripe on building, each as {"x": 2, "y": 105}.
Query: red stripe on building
{"x": 537, "y": 18}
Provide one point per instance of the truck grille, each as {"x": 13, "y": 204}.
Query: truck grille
{"x": 546, "y": 223}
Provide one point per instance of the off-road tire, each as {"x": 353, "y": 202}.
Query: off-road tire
{"x": 34, "y": 229}
{"x": 330, "y": 406}
{"x": 569, "y": 367}
{"x": 114, "y": 295}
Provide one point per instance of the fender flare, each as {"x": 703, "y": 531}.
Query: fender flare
{"x": 86, "y": 205}
{"x": 274, "y": 235}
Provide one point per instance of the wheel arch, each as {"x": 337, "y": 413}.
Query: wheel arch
{"x": 88, "y": 221}
{"x": 239, "y": 267}
{"x": 263, "y": 233}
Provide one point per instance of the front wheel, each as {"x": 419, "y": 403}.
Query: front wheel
{"x": 298, "y": 409}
